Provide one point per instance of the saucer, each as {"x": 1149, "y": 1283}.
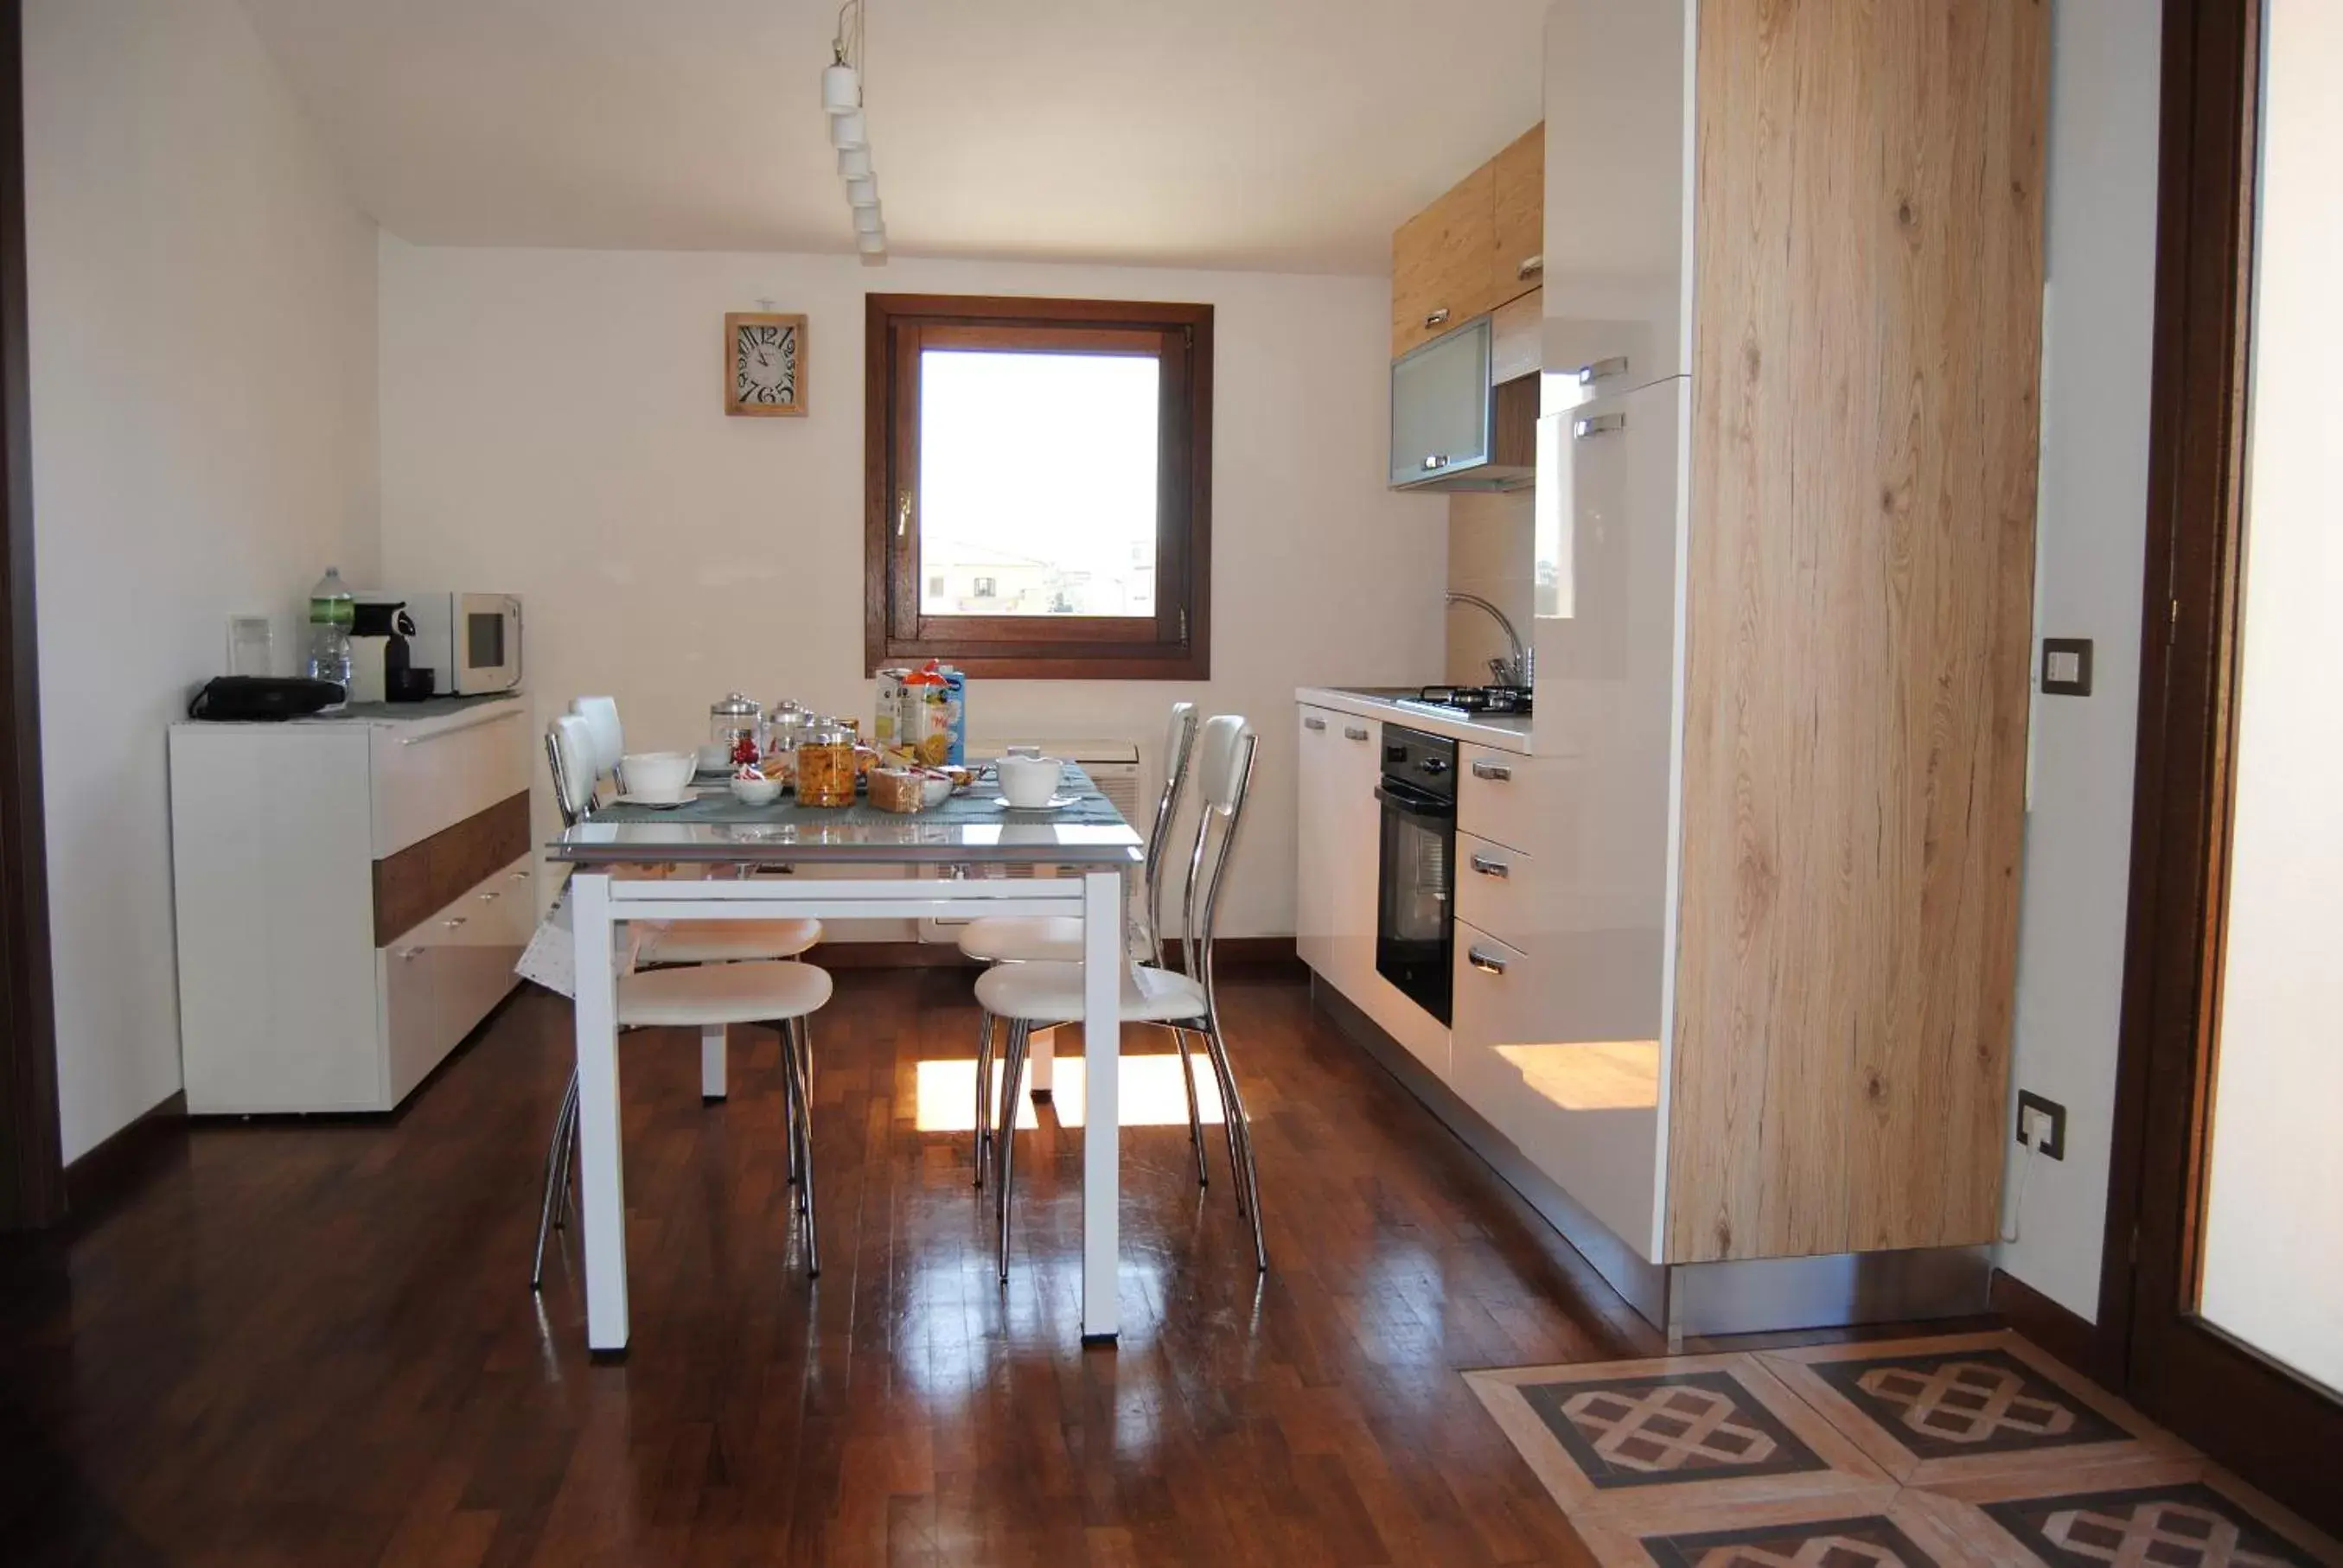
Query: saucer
{"x": 657, "y": 802}
{"x": 1055, "y": 803}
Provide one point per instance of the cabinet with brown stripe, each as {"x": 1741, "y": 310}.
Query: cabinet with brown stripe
{"x": 351, "y": 895}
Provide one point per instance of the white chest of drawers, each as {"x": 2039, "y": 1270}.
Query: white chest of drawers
{"x": 351, "y": 894}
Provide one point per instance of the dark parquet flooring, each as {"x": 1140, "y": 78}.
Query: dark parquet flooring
{"x": 313, "y": 1343}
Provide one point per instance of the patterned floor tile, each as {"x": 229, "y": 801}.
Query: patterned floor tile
{"x": 1975, "y": 1404}
{"x": 1643, "y": 1438}
{"x": 1803, "y": 1532}
{"x": 2170, "y": 1513}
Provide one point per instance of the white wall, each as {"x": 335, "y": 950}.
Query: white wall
{"x": 2093, "y": 521}
{"x": 2273, "y": 1274}
{"x": 552, "y": 425}
{"x": 202, "y": 333}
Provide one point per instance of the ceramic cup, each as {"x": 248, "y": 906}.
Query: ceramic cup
{"x": 715, "y": 759}
{"x": 1027, "y": 782}
{"x": 759, "y": 791}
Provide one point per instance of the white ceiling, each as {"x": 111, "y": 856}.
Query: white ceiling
{"x": 1284, "y": 133}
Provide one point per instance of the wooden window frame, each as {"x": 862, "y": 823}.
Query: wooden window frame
{"x": 1176, "y": 644}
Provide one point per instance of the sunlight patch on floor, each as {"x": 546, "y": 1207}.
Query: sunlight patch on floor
{"x": 1152, "y": 1094}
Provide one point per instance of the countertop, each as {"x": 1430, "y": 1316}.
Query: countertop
{"x": 1504, "y": 733}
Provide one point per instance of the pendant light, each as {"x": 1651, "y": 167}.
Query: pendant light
{"x": 841, "y": 102}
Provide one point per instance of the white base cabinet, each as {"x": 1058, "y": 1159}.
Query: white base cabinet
{"x": 351, "y": 895}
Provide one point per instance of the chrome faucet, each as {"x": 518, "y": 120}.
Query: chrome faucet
{"x": 1516, "y": 667}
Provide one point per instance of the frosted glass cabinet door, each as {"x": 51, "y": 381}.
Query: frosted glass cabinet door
{"x": 1439, "y": 407}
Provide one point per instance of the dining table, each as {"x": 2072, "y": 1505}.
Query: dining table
{"x": 969, "y": 857}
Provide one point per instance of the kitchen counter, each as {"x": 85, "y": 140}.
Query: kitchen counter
{"x": 1503, "y": 732}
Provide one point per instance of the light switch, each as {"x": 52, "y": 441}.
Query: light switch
{"x": 2066, "y": 667}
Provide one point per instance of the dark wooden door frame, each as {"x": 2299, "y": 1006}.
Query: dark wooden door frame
{"x": 32, "y": 1171}
{"x": 2236, "y": 1405}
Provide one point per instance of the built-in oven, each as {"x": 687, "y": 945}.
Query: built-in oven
{"x": 1415, "y": 880}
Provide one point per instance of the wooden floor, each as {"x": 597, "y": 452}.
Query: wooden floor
{"x": 313, "y": 1343}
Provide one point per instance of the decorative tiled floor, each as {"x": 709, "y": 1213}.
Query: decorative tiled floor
{"x": 1942, "y": 1453}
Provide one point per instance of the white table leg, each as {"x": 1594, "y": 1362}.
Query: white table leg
{"x": 601, "y": 1179}
{"x": 1102, "y": 963}
{"x": 1041, "y": 1063}
{"x": 711, "y": 1061}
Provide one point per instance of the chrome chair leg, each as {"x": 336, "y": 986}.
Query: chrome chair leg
{"x": 1241, "y": 1131}
{"x": 556, "y": 1170}
{"x": 796, "y": 1051}
{"x": 1195, "y": 1114}
{"x": 983, "y": 1094}
{"x": 1021, "y": 1034}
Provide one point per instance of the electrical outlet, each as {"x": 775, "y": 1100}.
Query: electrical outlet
{"x": 2032, "y": 1113}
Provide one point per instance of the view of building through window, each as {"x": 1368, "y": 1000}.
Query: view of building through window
{"x": 1037, "y": 483}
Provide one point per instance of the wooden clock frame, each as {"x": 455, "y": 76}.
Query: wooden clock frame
{"x": 733, "y": 404}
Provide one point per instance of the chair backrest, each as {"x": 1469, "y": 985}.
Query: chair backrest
{"x": 1179, "y": 749}
{"x": 569, "y": 753}
{"x": 608, "y": 741}
{"x": 1223, "y": 771}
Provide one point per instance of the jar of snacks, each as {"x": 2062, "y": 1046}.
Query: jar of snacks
{"x": 826, "y": 765}
{"x": 737, "y": 724}
{"x": 898, "y": 789}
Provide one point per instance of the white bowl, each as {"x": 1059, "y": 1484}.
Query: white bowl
{"x": 756, "y": 791}
{"x": 657, "y": 772}
{"x": 934, "y": 790}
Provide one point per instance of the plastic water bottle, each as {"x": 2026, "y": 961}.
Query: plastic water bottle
{"x": 333, "y": 609}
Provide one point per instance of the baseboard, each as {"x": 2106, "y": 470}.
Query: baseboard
{"x": 1247, "y": 956}
{"x": 115, "y": 1167}
{"x": 2063, "y": 1333}
{"x": 890, "y": 956}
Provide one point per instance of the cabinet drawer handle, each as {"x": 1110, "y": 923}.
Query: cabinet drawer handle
{"x": 1436, "y": 318}
{"x": 1601, "y": 370}
{"x": 1495, "y": 772}
{"x": 1489, "y": 866}
{"x": 1354, "y": 732}
{"x": 497, "y": 717}
{"x": 1314, "y": 724}
{"x": 1487, "y": 963}
{"x": 490, "y": 897}
{"x": 518, "y": 876}
{"x": 1597, "y": 425}
{"x": 1434, "y": 462}
{"x": 452, "y": 924}
{"x": 1531, "y": 266}
{"x": 408, "y": 955}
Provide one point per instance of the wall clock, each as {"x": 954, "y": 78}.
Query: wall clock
{"x": 764, "y": 362}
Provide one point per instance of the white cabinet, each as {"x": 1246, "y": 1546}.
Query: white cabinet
{"x": 1584, "y": 1111}
{"x": 1618, "y": 175}
{"x": 1316, "y": 847}
{"x": 351, "y": 894}
{"x": 1340, "y": 830}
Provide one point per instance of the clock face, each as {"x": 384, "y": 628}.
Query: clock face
{"x": 764, "y": 364}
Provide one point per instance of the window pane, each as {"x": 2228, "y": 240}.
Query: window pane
{"x": 1037, "y": 483}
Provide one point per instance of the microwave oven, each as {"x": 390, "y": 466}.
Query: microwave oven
{"x": 471, "y": 642}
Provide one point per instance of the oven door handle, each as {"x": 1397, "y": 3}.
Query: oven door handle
{"x": 1430, "y": 808}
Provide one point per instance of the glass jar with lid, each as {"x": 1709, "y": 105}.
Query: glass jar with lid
{"x": 826, "y": 764}
{"x": 786, "y": 723}
{"x": 737, "y": 724}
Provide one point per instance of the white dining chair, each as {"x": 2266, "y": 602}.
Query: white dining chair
{"x": 777, "y": 995}
{"x": 696, "y": 945}
{"x": 1058, "y": 939}
{"x": 1033, "y": 996}
{"x": 608, "y": 737}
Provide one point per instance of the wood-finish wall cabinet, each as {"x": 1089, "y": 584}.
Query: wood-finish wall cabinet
{"x": 1799, "y": 321}
{"x": 1473, "y": 249}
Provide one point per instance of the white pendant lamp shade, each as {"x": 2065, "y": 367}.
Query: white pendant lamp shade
{"x": 854, "y": 162}
{"x": 847, "y": 130}
{"x": 873, "y": 244}
{"x": 863, "y": 193}
{"x": 842, "y": 89}
{"x": 867, "y": 221}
